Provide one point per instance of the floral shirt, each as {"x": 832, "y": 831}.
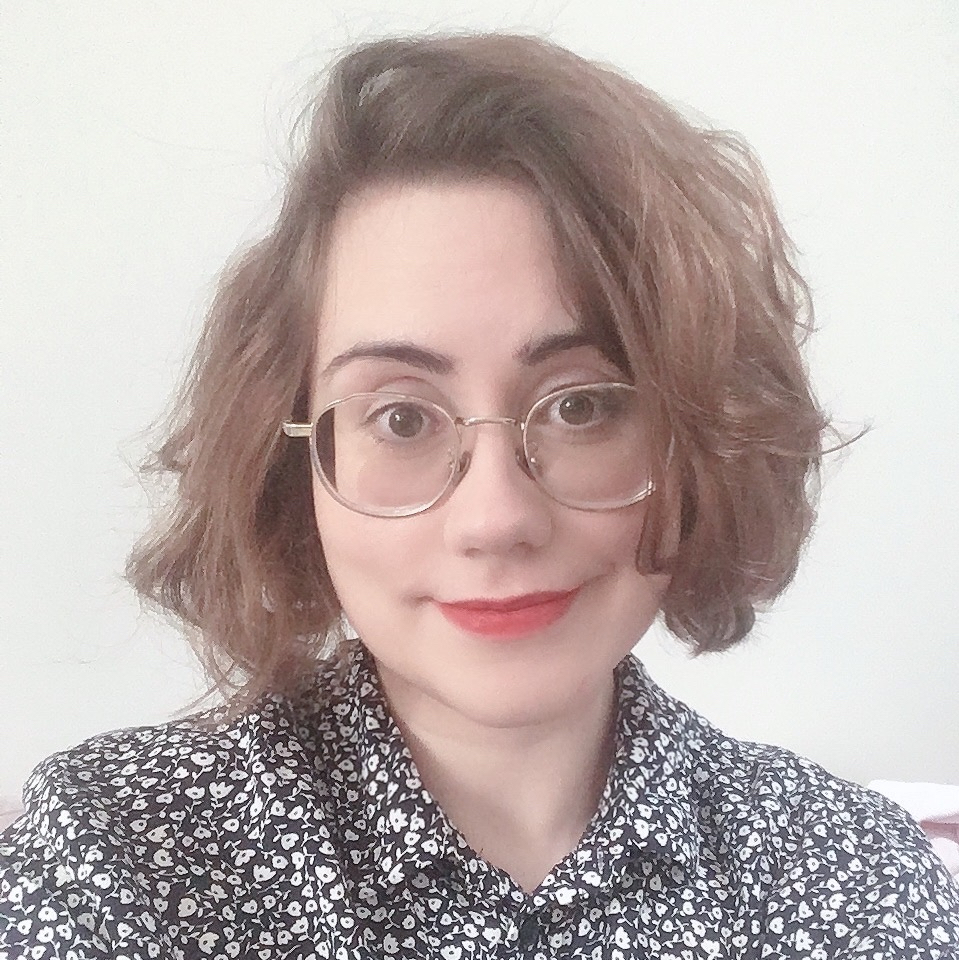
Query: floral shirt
{"x": 301, "y": 829}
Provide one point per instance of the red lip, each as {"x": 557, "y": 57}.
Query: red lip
{"x": 511, "y": 617}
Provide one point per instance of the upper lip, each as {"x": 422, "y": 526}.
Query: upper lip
{"x": 506, "y": 604}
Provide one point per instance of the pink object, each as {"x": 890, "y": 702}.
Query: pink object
{"x": 9, "y": 811}
{"x": 935, "y": 807}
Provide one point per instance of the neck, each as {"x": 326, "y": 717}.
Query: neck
{"x": 522, "y": 796}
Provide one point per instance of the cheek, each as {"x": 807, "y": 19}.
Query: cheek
{"x": 612, "y": 542}
{"x": 613, "y": 536}
{"x": 364, "y": 555}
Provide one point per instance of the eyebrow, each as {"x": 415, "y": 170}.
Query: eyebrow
{"x": 529, "y": 354}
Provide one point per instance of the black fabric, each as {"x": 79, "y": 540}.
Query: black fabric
{"x": 301, "y": 829}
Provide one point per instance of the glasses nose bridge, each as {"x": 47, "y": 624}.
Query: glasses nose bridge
{"x": 477, "y": 421}
{"x": 466, "y": 449}
{"x": 463, "y": 422}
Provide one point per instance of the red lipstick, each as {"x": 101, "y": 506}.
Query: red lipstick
{"x": 513, "y": 617}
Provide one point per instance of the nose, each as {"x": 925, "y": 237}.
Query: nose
{"x": 496, "y": 507}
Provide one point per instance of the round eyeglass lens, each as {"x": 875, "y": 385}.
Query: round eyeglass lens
{"x": 589, "y": 446}
{"x": 385, "y": 454}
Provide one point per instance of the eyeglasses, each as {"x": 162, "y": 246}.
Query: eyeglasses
{"x": 393, "y": 455}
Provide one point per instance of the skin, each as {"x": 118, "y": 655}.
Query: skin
{"x": 511, "y": 737}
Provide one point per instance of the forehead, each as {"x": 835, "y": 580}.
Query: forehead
{"x": 452, "y": 264}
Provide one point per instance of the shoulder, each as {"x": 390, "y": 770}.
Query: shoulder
{"x": 853, "y": 870}
{"x": 128, "y": 771}
{"x": 127, "y": 822}
{"x": 735, "y": 781}
{"x": 829, "y": 864}
{"x": 789, "y": 797}
{"x": 208, "y": 762}
{"x": 95, "y": 817}
{"x": 102, "y": 799}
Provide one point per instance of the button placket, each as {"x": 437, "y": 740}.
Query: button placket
{"x": 527, "y": 932}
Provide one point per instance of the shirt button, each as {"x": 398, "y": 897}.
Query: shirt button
{"x": 528, "y": 932}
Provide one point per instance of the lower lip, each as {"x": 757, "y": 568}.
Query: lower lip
{"x": 517, "y": 622}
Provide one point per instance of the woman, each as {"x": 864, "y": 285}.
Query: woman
{"x": 516, "y": 370}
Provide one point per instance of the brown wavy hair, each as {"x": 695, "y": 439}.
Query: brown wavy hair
{"x": 669, "y": 245}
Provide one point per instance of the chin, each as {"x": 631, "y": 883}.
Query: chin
{"x": 522, "y": 691}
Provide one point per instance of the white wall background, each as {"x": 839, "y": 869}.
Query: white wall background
{"x": 142, "y": 141}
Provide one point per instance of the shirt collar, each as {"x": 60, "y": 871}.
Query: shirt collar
{"x": 647, "y": 810}
{"x": 407, "y": 833}
{"x": 650, "y": 789}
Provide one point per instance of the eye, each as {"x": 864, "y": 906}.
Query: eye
{"x": 403, "y": 420}
{"x": 576, "y": 409}
{"x": 582, "y": 408}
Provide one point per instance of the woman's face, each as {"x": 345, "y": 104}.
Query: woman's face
{"x": 449, "y": 292}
